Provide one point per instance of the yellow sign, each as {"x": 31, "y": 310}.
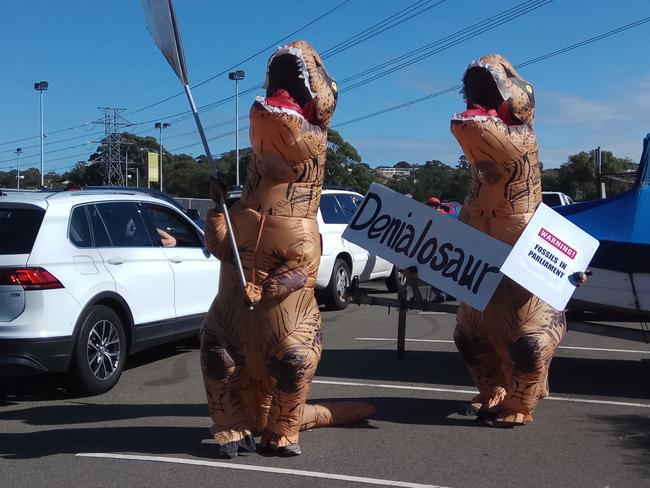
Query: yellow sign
{"x": 152, "y": 166}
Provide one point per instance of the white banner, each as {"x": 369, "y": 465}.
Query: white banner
{"x": 550, "y": 250}
{"x": 161, "y": 22}
{"x": 448, "y": 254}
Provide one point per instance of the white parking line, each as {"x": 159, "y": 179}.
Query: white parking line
{"x": 263, "y": 469}
{"x": 474, "y": 392}
{"x": 577, "y": 348}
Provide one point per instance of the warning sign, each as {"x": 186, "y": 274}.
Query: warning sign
{"x": 550, "y": 250}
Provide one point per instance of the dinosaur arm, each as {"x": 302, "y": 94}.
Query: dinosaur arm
{"x": 216, "y": 235}
{"x": 284, "y": 280}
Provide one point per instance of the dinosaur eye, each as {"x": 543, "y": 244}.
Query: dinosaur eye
{"x": 334, "y": 87}
{"x": 529, "y": 89}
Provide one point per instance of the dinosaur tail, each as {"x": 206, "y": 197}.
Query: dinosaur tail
{"x": 334, "y": 413}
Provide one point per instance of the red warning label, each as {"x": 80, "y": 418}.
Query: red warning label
{"x": 557, "y": 243}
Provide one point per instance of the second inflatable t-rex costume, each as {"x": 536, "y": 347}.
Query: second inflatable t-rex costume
{"x": 258, "y": 364}
{"x": 509, "y": 346}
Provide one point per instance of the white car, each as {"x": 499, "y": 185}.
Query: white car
{"x": 342, "y": 259}
{"x": 85, "y": 280}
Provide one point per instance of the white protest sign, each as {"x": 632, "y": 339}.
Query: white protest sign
{"x": 550, "y": 250}
{"x": 448, "y": 254}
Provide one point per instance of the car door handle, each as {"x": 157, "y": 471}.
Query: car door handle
{"x": 116, "y": 260}
{"x": 176, "y": 259}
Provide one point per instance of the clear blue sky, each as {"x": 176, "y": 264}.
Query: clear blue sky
{"x": 98, "y": 53}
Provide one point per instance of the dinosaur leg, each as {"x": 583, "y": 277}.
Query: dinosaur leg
{"x": 292, "y": 367}
{"x": 224, "y": 377}
{"x": 482, "y": 360}
{"x": 530, "y": 353}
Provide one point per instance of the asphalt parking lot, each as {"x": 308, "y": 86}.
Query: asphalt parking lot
{"x": 594, "y": 430}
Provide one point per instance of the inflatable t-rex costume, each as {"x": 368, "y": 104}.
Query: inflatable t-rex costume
{"x": 508, "y": 347}
{"x": 258, "y": 364}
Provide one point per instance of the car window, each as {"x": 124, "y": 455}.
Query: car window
{"x": 551, "y": 199}
{"x": 100, "y": 233}
{"x": 331, "y": 210}
{"x": 171, "y": 229}
{"x": 124, "y": 223}
{"x": 79, "y": 229}
{"x": 18, "y": 229}
{"x": 349, "y": 204}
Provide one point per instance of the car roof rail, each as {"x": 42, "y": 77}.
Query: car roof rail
{"x": 338, "y": 187}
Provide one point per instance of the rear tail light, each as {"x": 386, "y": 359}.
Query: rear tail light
{"x": 29, "y": 278}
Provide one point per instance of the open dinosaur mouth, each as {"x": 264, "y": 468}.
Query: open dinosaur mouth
{"x": 287, "y": 85}
{"x": 485, "y": 95}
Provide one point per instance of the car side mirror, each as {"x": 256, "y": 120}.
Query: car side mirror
{"x": 192, "y": 213}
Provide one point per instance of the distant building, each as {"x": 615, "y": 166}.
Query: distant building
{"x": 394, "y": 172}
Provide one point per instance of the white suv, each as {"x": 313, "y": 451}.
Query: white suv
{"x": 342, "y": 259}
{"x": 87, "y": 277}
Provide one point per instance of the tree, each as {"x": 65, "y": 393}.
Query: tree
{"x": 343, "y": 166}
{"x": 403, "y": 164}
{"x": 577, "y": 176}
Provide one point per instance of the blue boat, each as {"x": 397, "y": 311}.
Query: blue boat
{"x": 619, "y": 288}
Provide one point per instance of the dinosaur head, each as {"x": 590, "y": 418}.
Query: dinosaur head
{"x": 299, "y": 103}
{"x": 496, "y": 134}
{"x": 492, "y": 87}
{"x": 497, "y": 126}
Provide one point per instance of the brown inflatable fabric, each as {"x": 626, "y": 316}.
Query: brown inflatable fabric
{"x": 258, "y": 364}
{"x": 509, "y": 346}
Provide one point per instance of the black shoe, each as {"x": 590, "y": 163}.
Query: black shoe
{"x": 486, "y": 415}
{"x": 469, "y": 410}
{"x": 230, "y": 450}
{"x": 287, "y": 451}
{"x": 247, "y": 445}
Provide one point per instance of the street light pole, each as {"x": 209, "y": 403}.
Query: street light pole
{"x": 161, "y": 126}
{"x": 18, "y": 151}
{"x": 41, "y": 86}
{"x": 237, "y": 75}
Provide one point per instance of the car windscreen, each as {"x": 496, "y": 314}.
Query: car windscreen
{"x": 18, "y": 229}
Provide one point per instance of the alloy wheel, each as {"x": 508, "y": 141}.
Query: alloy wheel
{"x": 342, "y": 282}
{"x": 103, "y": 349}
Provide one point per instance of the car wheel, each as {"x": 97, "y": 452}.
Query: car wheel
{"x": 100, "y": 351}
{"x": 396, "y": 281}
{"x": 340, "y": 280}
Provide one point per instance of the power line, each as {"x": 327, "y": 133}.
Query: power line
{"x": 520, "y": 65}
{"x": 457, "y": 87}
{"x": 272, "y": 45}
{"x": 387, "y": 23}
{"x": 444, "y": 43}
{"x": 198, "y": 84}
{"x": 85, "y": 124}
{"x": 340, "y": 47}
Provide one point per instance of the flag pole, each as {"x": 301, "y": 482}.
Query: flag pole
{"x": 213, "y": 173}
